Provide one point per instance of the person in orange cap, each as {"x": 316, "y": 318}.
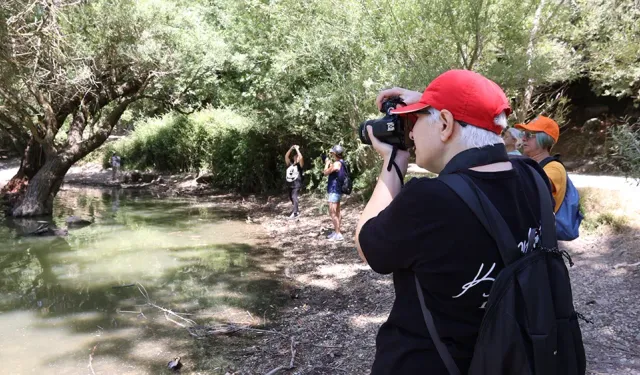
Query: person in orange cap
{"x": 539, "y": 137}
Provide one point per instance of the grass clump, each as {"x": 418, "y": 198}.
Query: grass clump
{"x": 603, "y": 211}
{"x": 605, "y": 220}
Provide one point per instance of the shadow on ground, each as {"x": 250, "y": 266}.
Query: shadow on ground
{"x": 606, "y": 286}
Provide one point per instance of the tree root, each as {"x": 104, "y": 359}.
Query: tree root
{"x": 621, "y": 265}
{"x": 291, "y": 366}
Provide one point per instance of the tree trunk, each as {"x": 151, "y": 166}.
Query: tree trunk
{"x": 528, "y": 91}
{"x": 42, "y": 188}
{"x": 32, "y": 160}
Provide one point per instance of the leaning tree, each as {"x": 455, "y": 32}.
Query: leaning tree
{"x": 69, "y": 69}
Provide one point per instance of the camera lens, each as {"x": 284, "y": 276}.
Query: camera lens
{"x": 364, "y": 134}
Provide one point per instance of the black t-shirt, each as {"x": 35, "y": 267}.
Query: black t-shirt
{"x": 297, "y": 182}
{"x": 428, "y": 229}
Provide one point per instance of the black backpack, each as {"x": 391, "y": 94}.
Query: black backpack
{"x": 345, "y": 178}
{"x": 530, "y": 325}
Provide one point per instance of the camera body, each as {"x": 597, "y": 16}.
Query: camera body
{"x": 390, "y": 129}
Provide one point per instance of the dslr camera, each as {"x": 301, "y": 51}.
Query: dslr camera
{"x": 390, "y": 129}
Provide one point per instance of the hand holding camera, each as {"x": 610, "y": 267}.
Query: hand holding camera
{"x": 389, "y": 135}
{"x": 391, "y": 129}
{"x": 407, "y": 96}
{"x": 385, "y": 150}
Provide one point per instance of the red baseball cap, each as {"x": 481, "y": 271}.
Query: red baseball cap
{"x": 469, "y": 96}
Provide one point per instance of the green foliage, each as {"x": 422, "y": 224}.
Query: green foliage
{"x": 307, "y": 72}
{"x": 238, "y": 152}
{"x": 607, "y": 33}
{"x": 626, "y": 147}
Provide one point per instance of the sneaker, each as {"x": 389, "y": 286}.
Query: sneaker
{"x": 331, "y": 235}
{"x": 336, "y": 237}
{"x": 294, "y": 215}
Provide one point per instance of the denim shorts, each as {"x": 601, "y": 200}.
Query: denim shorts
{"x": 334, "y": 197}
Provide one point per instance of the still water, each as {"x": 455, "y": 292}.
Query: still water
{"x": 63, "y": 298}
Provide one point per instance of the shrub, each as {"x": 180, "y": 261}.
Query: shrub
{"x": 238, "y": 153}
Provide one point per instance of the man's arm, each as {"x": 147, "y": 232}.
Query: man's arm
{"x": 300, "y": 158}
{"x": 388, "y": 186}
{"x": 328, "y": 167}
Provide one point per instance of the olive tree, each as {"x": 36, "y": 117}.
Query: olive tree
{"x": 70, "y": 69}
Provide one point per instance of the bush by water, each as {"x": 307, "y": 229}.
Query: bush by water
{"x": 234, "y": 148}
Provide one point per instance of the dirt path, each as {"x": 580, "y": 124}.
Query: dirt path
{"x": 607, "y": 291}
{"x": 340, "y": 303}
{"x": 605, "y": 182}
{"x": 579, "y": 180}
{"x": 92, "y": 174}
{"x": 337, "y": 303}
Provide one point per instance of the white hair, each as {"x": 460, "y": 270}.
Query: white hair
{"x": 473, "y": 136}
{"x": 517, "y": 135}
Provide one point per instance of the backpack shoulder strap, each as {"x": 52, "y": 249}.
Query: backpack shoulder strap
{"x": 497, "y": 228}
{"x": 548, "y": 160}
{"x": 446, "y": 357}
{"x": 345, "y": 165}
{"x": 547, "y": 218}
{"x": 486, "y": 212}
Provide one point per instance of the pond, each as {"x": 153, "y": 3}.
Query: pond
{"x": 64, "y": 299}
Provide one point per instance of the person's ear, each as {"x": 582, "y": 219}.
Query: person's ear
{"x": 446, "y": 125}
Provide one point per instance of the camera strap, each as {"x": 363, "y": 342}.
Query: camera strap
{"x": 476, "y": 157}
{"x": 392, "y": 163}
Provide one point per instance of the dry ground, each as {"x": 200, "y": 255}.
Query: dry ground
{"x": 342, "y": 302}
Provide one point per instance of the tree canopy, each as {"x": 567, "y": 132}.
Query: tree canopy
{"x": 304, "y": 72}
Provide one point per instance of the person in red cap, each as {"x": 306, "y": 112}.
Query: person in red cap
{"x": 539, "y": 137}
{"x": 425, "y": 229}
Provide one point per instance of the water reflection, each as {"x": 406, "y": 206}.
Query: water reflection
{"x": 59, "y": 296}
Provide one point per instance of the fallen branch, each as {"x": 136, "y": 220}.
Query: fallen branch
{"x": 332, "y": 368}
{"x": 173, "y": 321}
{"x": 327, "y": 346}
{"x": 291, "y": 366}
{"x": 226, "y": 329}
{"x": 293, "y": 352}
{"x": 145, "y": 294}
{"x": 621, "y": 265}
{"x": 128, "y": 312}
{"x": 190, "y": 325}
{"x": 91, "y": 360}
{"x": 122, "y": 286}
{"x": 275, "y": 370}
